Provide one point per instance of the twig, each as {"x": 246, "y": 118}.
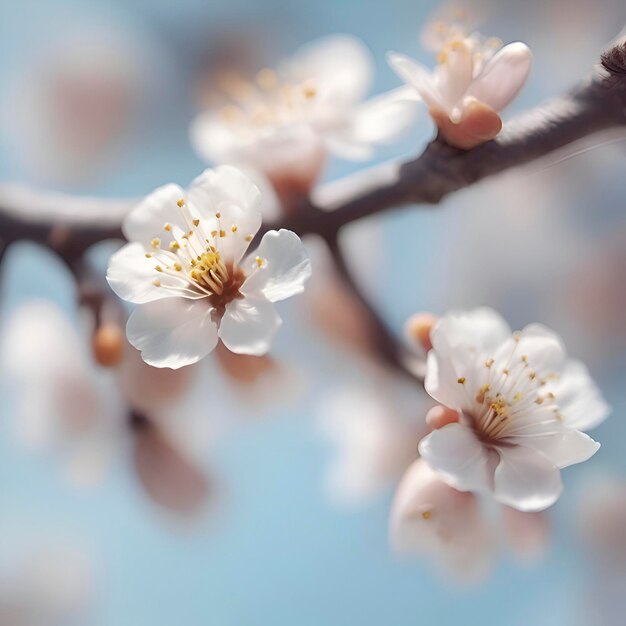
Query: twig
{"x": 70, "y": 225}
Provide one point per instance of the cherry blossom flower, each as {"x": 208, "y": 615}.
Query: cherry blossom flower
{"x": 84, "y": 416}
{"x": 47, "y": 585}
{"x": 522, "y": 407}
{"x": 185, "y": 268}
{"x": 475, "y": 79}
{"x": 374, "y": 439}
{"x": 431, "y": 519}
{"x": 286, "y": 121}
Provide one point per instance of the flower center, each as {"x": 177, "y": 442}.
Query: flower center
{"x": 510, "y": 391}
{"x": 455, "y": 36}
{"x": 194, "y": 261}
{"x": 209, "y": 270}
{"x": 266, "y": 102}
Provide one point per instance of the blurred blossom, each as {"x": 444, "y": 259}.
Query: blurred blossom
{"x": 527, "y": 533}
{"x": 64, "y": 407}
{"x": 596, "y": 290}
{"x": 456, "y": 530}
{"x": 73, "y": 110}
{"x": 86, "y": 416}
{"x": 375, "y": 438}
{"x": 48, "y": 587}
{"x": 255, "y": 379}
{"x": 522, "y": 405}
{"x": 286, "y": 121}
{"x": 431, "y": 519}
{"x": 602, "y": 523}
{"x": 602, "y": 527}
{"x": 185, "y": 268}
{"x": 474, "y": 80}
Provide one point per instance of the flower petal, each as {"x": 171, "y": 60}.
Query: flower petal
{"x": 542, "y": 347}
{"x": 429, "y": 517}
{"x": 214, "y": 139}
{"x": 458, "y": 456}
{"x": 172, "y": 332}
{"x": 562, "y": 450}
{"x": 228, "y": 185}
{"x": 503, "y": 76}
{"x": 286, "y": 266}
{"x": 249, "y": 325}
{"x": 526, "y": 480}
{"x": 441, "y": 382}
{"x": 579, "y": 400}
{"x": 416, "y": 75}
{"x": 229, "y": 193}
{"x": 146, "y": 221}
{"x": 132, "y": 277}
{"x": 479, "y": 331}
{"x": 454, "y": 75}
{"x": 379, "y": 120}
{"x": 340, "y": 67}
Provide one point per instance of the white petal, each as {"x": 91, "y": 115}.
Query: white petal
{"x": 526, "y": 480}
{"x": 543, "y": 348}
{"x": 441, "y": 382}
{"x": 340, "y": 66}
{"x": 565, "y": 449}
{"x": 226, "y": 185}
{"x": 430, "y": 518}
{"x": 214, "y": 139}
{"x": 379, "y": 120}
{"x": 416, "y": 75}
{"x": 480, "y": 331}
{"x": 132, "y": 277}
{"x": 458, "y": 456}
{"x": 286, "y": 266}
{"x": 249, "y": 325}
{"x": 173, "y": 332}
{"x": 146, "y": 221}
{"x": 454, "y": 76}
{"x": 229, "y": 193}
{"x": 503, "y": 76}
{"x": 579, "y": 400}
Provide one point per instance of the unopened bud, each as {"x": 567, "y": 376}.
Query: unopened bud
{"x": 417, "y": 329}
{"x": 474, "y": 123}
{"x": 108, "y": 344}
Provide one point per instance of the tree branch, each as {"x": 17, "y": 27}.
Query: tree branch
{"x": 70, "y": 225}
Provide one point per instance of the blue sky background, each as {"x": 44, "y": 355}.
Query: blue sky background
{"x": 278, "y": 551}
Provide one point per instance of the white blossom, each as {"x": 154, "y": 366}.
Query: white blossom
{"x": 522, "y": 408}
{"x": 470, "y": 68}
{"x": 374, "y": 440}
{"x": 286, "y": 121}
{"x": 431, "y": 519}
{"x": 81, "y": 415}
{"x": 185, "y": 267}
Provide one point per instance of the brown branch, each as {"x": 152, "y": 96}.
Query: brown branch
{"x": 70, "y": 225}
{"x": 599, "y": 104}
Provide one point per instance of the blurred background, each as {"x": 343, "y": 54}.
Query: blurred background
{"x": 97, "y": 99}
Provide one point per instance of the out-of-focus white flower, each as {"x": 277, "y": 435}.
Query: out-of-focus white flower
{"x": 286, "y": 121}
{"x": 432, "y": 519}
{"x": 72, "y": 111}
{"x": 375, "y": 441}
{"x": 85, "y": 416}
{"x": 473, "y": 74}
{"x": 63, "y": 407}
{"x": 51, "y": 587}
{"x": 522, "y": 408}
{"x": 602, "y": 522}
{"x": 186, "y": 270}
